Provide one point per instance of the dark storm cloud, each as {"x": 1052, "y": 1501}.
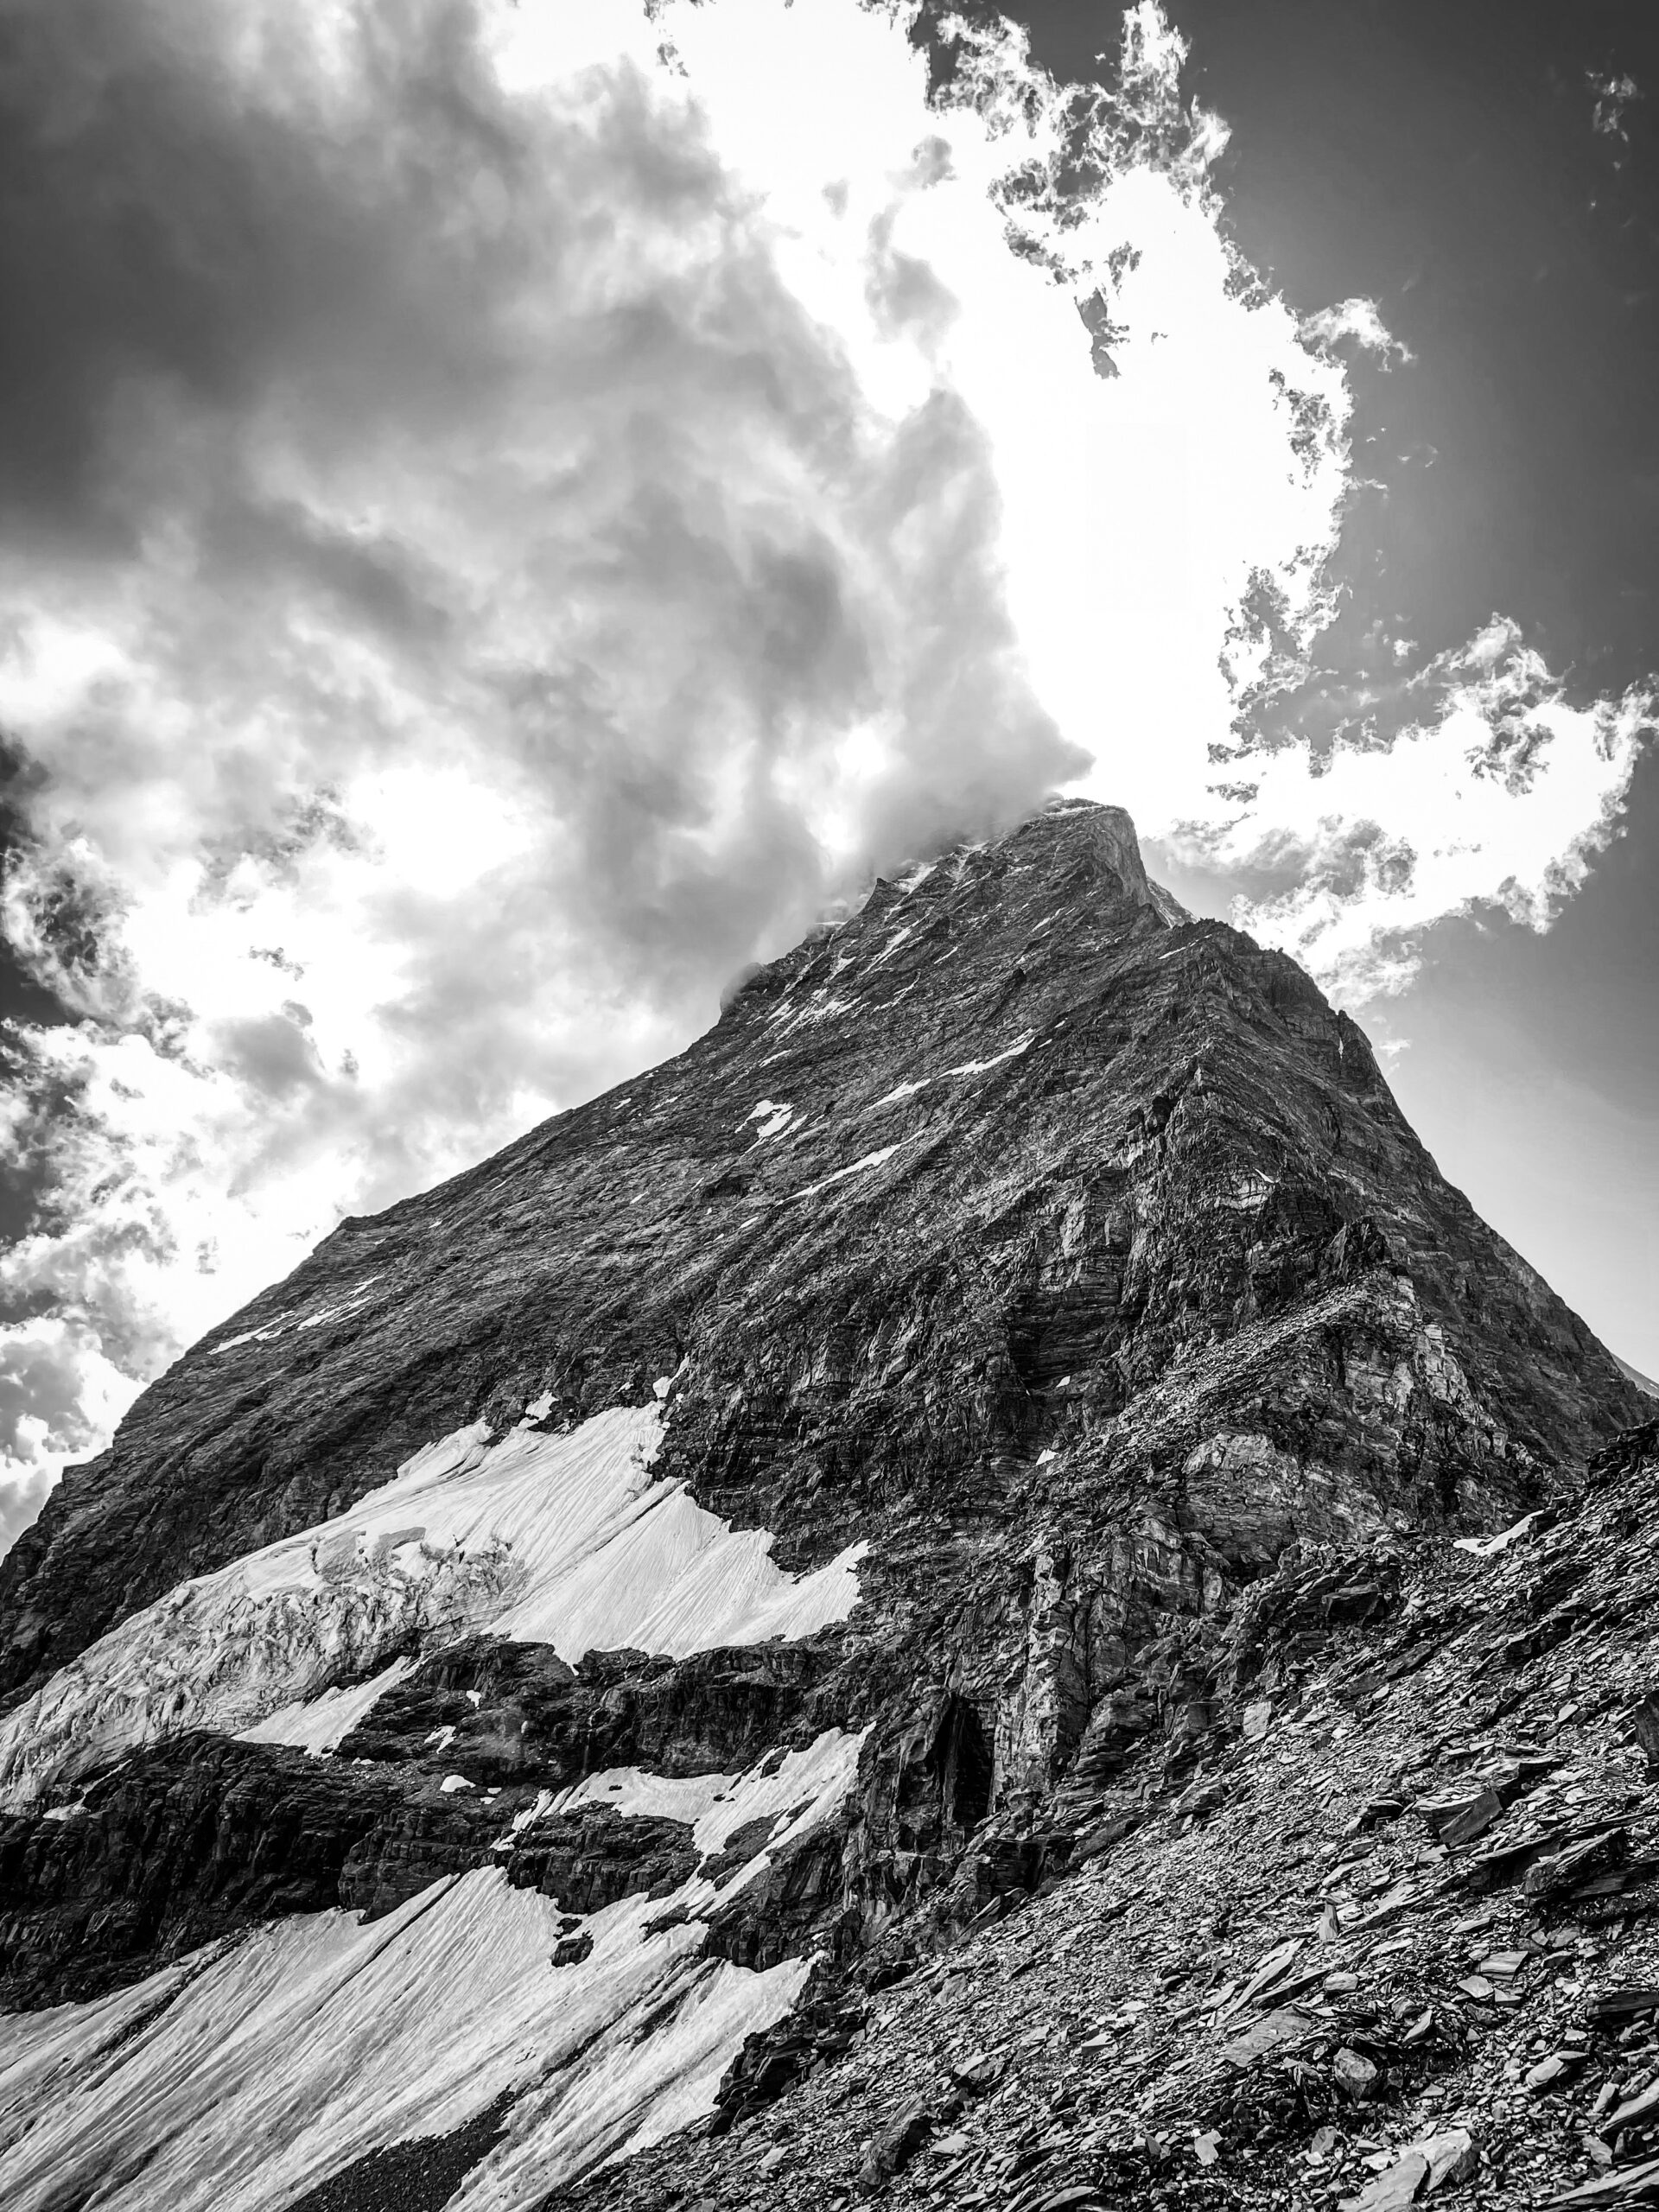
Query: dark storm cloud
{"x": 176, "y": 230}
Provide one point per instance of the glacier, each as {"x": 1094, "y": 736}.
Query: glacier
{"x": 563, "y": 1538}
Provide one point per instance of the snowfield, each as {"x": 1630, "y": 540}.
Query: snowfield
{"x": 248, "y": 2073}
{"x": 564, "y": 1539}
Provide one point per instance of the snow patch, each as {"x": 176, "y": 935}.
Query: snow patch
{"x": 869, "y": 1159}
{"x": 1488, "y": 1547}
{"x": 288, "y": 1322}
{"x": 318, "y": 1726}
{"x": 806, "y": 1785}
{"x": 965, "y": 1067}
{"x": 902, "y": 1090}
{"x": 556, "y": 1539}
{"x": 978, "y": 1067}
{"x": 773, "y": 1116}
{"x": 820, "y": 1007}
{"x": 907, "y": 929}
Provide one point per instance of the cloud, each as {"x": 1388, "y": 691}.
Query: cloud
{"x": 459, "y": 600}
{"x": 508, "y": 510}
{"x": 1474, "y": 781}
{"x": 1361, "y": 321}
{"x": 59, "y": 1396}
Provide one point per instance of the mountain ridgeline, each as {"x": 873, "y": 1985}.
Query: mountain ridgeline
{"x": 591, "y": 1619}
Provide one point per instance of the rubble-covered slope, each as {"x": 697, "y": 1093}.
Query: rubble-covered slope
{"x": 747, "y": 1531}
{"x": 1393, "y": 1939}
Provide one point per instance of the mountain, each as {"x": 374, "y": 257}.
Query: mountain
{"x": 526, "y": 1685}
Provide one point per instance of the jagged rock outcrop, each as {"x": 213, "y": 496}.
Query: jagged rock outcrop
{"x": 589, "y": 1859}
{"x": 1050, "y": 1277}
{"x": 515, "y": 1713}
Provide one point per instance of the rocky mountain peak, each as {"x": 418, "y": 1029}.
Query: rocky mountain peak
{"x": 761, "y": 1527}
{"x": 1070, "y": 827}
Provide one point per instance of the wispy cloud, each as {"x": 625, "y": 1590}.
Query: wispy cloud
{"x": 1362, "y": 321}
{"x": 1473, "y": 782}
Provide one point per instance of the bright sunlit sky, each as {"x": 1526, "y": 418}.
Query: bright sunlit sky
{"x": 508, "y": 514}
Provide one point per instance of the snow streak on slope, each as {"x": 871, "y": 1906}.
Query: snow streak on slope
{"x": 715, "y": 1806}
{"x": 251, "y": 2072}
{"x": 564, "y": 1539}
{"x": 318, "y": 1724}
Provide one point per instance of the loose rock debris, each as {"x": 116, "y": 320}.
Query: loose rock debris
{"x": 1400, "y": 1950}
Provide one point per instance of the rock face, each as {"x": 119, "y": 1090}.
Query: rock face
{"x": 962, "y": 1180}
{"x": 766, "y": 1519}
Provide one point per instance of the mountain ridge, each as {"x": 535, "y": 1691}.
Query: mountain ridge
{"x": 1090, "y": 846}
{"x": 913, "y": 1387}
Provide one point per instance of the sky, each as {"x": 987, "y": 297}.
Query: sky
{"x": 509, "y": 513}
